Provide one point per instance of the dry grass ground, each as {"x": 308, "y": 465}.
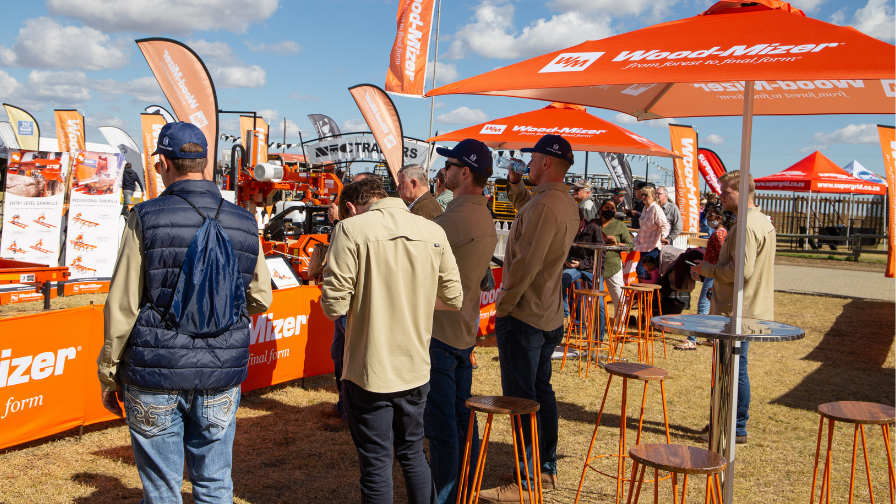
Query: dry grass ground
{"x": 282, "y": 455}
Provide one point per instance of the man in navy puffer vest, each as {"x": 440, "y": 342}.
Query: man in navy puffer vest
{"x": 180, "y": 393}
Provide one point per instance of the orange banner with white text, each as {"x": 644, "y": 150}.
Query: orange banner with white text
{"x": 487, "y": 304}
{"x": 188, "y": 86}
{"x": 888, "y": 146}
{"x": 152, "y": 126}
{"x": 70, "y": 130}
{"x": 383, "y": 121}
{"x": 259, "y": 144}
{"x": 410, "y": 53}
{"x": 687, "y": 183}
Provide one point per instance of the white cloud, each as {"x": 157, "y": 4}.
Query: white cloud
{"x": 812, "y": 148}
{"x": 43, "y": 43}
{"x": 876, "y": 19}
{"x": 439, "y": 104}
{"x": 839, "y": 17}
{"x": 492, "y": 34}
{"x": 712, "y": 139}
{"x": 353, "y": 125}
{"x": 613, "y": 7}
{"x": 270, "y": 115}
{"x": 621, "y": 118}
{"x": 282, "y": 47}
{"x": 298, "y": 96}
{"x": 101, "y": 119}
{"x": 179, "y": 17}
{"x": 143, "y": 89}
{"x": 445, "y": 72}
{"x": 808, "y": 5}
{"x": 70, "y": 87}
{"x": 462, "y": 115}
{"x": 9, "y": 86}
{"x": 852, "y": 134}
{"x": 227, "y": 70}
{"x": 292, "y": 131}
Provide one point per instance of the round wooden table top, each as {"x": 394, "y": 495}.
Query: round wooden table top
{"x": 502, "y": 405}
{"x": 636, "y": 288}
{"x": 591, "y": 292}
{"x": 678, "y": 458}
{"x": 647, "y": 286}
{"x": 858, "y": 412}
{"x": 636, "y": 371}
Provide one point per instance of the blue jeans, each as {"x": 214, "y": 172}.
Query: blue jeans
{"x": 171, "y": 427}
{"x": 655, "y": 253}
{"x": 569, "y": 277}
{"x": 446, "y": 417}
{"x": 743, "y": 391}
{"x": 525, "y": 352}
{"x": 703, "y": 302}
{"x": 382, "y": 424}
{"x": 337, "y": 352}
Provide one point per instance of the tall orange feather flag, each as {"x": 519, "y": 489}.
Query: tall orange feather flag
{"x": 152, "y": 126}
{"x": 188, "y": 86}
{"x": 687, "y": 185}
{"x": 410, "y": 53}
{"x": 888, "y": 146}
{"x": 70, "y": 130}
{"x": 259, "y": 151}
{"x": 382, "y": 118}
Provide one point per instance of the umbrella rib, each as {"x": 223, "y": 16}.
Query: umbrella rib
{"x": 658, "y": 98}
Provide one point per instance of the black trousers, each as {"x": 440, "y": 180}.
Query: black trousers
{"x": 381, "y": 424}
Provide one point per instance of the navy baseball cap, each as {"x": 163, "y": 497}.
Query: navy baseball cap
{"x": 555, "y": 146}
{"x": 472, "y": 153}
{"x": 174, "y": 135}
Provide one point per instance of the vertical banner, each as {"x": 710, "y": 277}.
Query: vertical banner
{"x": 711, "y": 167}
{"x": 621, "y": 172}
{"x": 158, "y": 109}
{"x": 151, "y": 125}
{"x": 324, "y": 126}
{"x": 408, "y": 59}
{"x": 888, "y": 146}
{"x": 25, "y": 128}
{"x": 687, "y": 185}
{"x": 382, "y": 118}
{"x": 259, "y": 144}
{"x": 188, "y": 86}
{"x": 92, "y": 243}
{"x": 70, "y": 130}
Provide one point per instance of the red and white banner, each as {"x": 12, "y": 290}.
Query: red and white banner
{"x": 70, "y": 130}
{"x": 188, "y": 86}
{"x": 382, "y": 118}
{"x": 888, "y": 146}
{"x": 687, "y": 185}
{"x": 711, "y": 167}
{"x": 408, "y": 59}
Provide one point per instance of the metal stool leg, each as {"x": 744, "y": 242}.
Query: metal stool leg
{"x": 867, "y": 467}
{"x": 886, "y": 431}
{"x": 480, "y": 464}
{"x": 593, "y": 437}
{"x": 622, "y": 428}
{"x": 536, "y": 459}
{"x": 465, "y": 467}
{"x": 516, "y": 457}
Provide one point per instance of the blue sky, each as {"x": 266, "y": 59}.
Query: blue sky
{"x": 287, "y": 59}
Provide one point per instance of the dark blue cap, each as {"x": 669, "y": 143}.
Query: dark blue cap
{"x": 174, "y": 135}
{"x": 472, "y": 153}
{"x": 555, "y": 146}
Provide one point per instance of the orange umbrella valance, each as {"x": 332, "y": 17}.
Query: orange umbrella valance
{"x": 817, "y": 173}
{"x": 585, "y": 132}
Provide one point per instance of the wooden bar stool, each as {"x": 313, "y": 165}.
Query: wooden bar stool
{"x": 587, "y": 334}
{"x": 575, "y": 327}
{"x": 634, "y": 296}
{"x": 860, "y": 414}
{"x": 515, "y": 407}
{"x": 656, "y": 290}
{"x": 676, "y": 459}
{"x": 627, "y": 371}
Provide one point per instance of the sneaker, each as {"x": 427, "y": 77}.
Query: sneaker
{"x": 548, "y": 481}
{"x": 507, "y": 493}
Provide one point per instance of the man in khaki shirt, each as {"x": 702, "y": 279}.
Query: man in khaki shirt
{"x": 530, "y": 315}
{"x": 386, "y": 271}
{"x": 759, "y": 279}
{"x": 471, "y": 232}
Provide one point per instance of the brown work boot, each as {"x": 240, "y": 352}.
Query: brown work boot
{"x": 330, "y": 413}
{"x": 548, "y": 481}
{"x": 507, "y": 493}
{"x": 337, "y": 425}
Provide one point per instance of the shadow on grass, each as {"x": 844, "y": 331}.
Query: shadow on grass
{"x": 110, "y": 489}
{"x": 853, "y": 356}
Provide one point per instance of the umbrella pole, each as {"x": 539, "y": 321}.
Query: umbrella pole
{"x": 586, "y": 165}
{"x": 808, "y": 217}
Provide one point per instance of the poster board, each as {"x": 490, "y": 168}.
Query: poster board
{"x": 282, "y": 274}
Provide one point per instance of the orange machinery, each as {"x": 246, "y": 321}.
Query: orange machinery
{"x": 20, "y": 272}
{"x": 315, "y": 186}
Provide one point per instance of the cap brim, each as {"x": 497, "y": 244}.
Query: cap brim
{"x": 527, "y": 149}
{"x": 445, "y": 151}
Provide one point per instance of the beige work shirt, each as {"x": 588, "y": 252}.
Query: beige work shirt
{"x": 759, "y": 270}
{"x": 540, "y": 237}
{"x": 384, "y": 270}
{"x": 126, "y": 289}
{"x": 471, "y": 232}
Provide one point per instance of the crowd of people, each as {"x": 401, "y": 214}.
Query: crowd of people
{"x": 401, "y": 283}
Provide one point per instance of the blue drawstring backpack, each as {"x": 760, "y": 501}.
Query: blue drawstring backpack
{"x": 210, "y": 296}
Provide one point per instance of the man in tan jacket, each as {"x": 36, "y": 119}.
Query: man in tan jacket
{"x": 529, "y": 313}
{"x": 413, "y": 188}
{"x": 386, "y": 271}
{"x": 759, "y": 279}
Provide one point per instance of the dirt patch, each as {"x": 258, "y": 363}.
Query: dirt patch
{"x": 823, "y": 262}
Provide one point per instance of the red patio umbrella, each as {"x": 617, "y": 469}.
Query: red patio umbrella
{"x": 817, "y": 173}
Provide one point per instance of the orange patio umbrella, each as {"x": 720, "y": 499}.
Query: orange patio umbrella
{"x": 817, "y": 173}
{"x": 584, "y": 131}
{"x": 737, "y": 58}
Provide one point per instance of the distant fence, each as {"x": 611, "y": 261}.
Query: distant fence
{"x": 823, "y": 214}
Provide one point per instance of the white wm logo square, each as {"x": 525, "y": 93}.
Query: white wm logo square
{"x": 571, "y": 62}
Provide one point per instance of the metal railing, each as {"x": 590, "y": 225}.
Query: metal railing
{"x": 853, "y": 241}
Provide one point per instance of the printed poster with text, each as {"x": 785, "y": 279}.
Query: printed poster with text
{"x": 91, "y": 246}
{"x": 32, "y": 214}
